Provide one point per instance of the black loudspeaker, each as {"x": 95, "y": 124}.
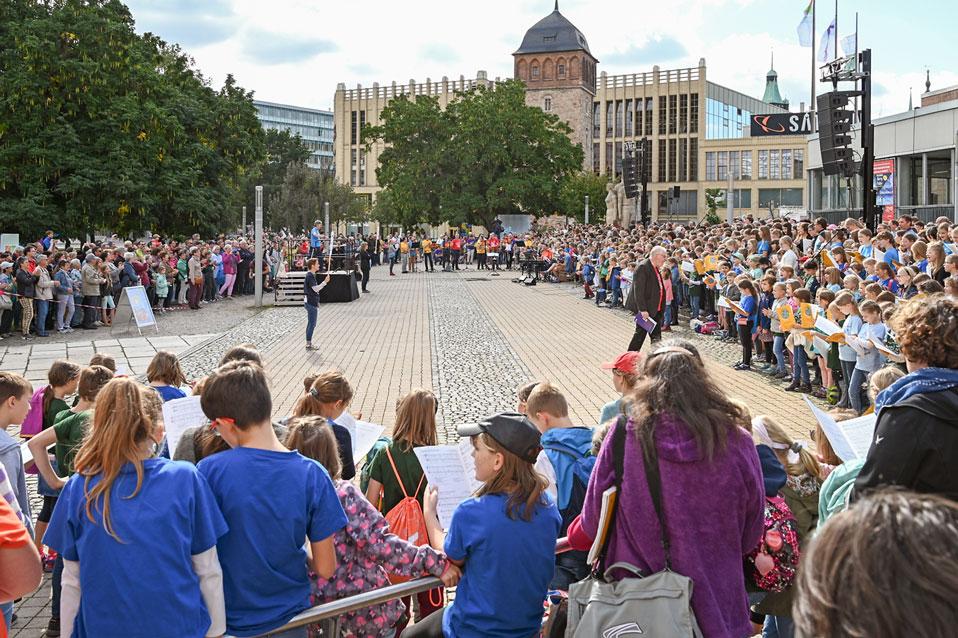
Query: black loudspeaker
{"x": 675, "y": 192}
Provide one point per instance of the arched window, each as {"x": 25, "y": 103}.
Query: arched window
{"x": 561, "y": 69}
{"x": 534, "y": 70}
{"x": 573, "y": 68}
{"x": 548, "y": 69}
{"x": 522, "y": 70}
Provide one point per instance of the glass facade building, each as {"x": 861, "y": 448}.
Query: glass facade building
{"x": 315, "y": 127}
{"x": 728, "y": 113}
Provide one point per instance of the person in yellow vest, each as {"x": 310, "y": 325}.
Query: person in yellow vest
{"x": 427, "y": 254}
{"x": 404, "y": 254}
{"x": 480, "y": 254}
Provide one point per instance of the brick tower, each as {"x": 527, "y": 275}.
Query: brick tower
{"x": 558, "y": 70}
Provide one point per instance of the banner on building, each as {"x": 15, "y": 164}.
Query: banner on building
{"x": 884, "y": 184}
{"x": 781, "y": 124}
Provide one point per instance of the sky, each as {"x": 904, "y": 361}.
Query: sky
{"x": 297, "y": 51}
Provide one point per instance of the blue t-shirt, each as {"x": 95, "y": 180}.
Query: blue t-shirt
{"x": 169, "y": 392}
{"x": 872, "y": 359}
{"x": 509, "y": 564}
{"x": 272, "y": 501}
{"x": 144, "y": 585}
{"x": 315, "y": 238}
{"x": 892, "y": 255}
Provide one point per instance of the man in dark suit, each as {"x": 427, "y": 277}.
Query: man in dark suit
{"x": 647, "y": 296}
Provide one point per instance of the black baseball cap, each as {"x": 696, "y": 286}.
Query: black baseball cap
{"x": 511, "y": 430}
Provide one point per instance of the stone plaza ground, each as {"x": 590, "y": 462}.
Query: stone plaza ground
{"x": 472, "y": 337}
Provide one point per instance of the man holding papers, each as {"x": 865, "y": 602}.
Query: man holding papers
{"x": 646, "y": 298}
{"x": 916, "y": 435}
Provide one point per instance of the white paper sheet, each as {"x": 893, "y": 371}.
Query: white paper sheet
{"x": 722, "y": 303}
{"x": 27, "y": 454}
{"x": 450, "y": 469}
{"x": 178, "y": 416}
{"x": 688, "y": 266}
{"x": 850, "y": 439}
{"x": 363, "y": 434}
{"x": 827, "y": 326}
{"x": 891, "y": 355}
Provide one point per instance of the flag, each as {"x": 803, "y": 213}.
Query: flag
{"x": 849, "y": 44}
{"x": 826, "y": 48}
{"x": 805, "y": 34}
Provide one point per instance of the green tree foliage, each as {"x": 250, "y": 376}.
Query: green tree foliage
{"x": 574, "y": 190}
{"x": 486, "y": 155}
{"x": 300, "y": 199}
{"x": 103, "y": 129}
{"x": 282, "y": 149}
{"x": 714, "y": 199}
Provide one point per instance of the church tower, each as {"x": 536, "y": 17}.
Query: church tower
{"x": 772, "y": 95}
{"x": 558, "y": 70}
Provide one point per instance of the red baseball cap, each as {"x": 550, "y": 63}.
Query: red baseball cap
{"x": 626, "y": 362}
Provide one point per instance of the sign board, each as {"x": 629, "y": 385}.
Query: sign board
{"x": 134, "y": 306}
{"x": 884, "y": 183}
{"x": 781, "y": 124}
{"x": 9, "y": 241}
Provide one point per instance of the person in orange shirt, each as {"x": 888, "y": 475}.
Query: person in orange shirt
{"x": 492, "y": 248}
{"x": 20, "y": 569}
{"x": 427, "y": 254}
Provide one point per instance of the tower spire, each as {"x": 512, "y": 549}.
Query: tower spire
{"x": 909, "y": 99}
{"x": 927, "y": 80}
{"x": 557, "y": 5}
{"x": 773, "y": 56}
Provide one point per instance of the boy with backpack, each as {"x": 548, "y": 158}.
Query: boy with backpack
{"x": 566, "y": 460}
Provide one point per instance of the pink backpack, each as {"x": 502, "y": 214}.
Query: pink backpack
{"x": 33, "y": 423}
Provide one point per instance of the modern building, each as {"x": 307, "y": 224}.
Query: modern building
{"x": 916, "y": 168}
{"x": 697, "y": 128}
{"x": 314, "y": 126}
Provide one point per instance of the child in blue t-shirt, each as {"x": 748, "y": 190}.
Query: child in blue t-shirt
{"x": 137, "y": 534}
{"x": 273, "y": 501}
{"x": 868, "y": 359}
{"x": 745, "y": 323}
{"x": 504, "y": 537}
{"x": 165, "y": 376}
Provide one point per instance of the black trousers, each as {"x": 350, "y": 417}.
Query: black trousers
{"x": 638, "y": 339}
{"x": 427, "y": 259}
{"x": 89, "y": 313}
{"x": 745, "y": 337}
{"x": 365, "y": 277}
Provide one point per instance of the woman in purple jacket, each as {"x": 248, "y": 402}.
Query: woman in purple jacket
{"x": 712, "y": 491}
{"x": 229, "y": 272}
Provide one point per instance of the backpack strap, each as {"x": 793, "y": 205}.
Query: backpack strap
{"x": 654, "y": 479}
{"x": 396, "y": 474}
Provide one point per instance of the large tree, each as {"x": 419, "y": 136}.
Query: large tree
{"x": 487, "y": 154}
{"x": 282, "y": 150}
{"x": 575, "y": 188}
{"x": 101, "y": 128}
{"x": 302, "y": 194}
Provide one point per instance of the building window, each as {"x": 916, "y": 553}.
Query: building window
{"x": 353, "y": 167}
{"x": 683, "y": 160}
{"x": 776, "y": 197}
{"x": 733, "y": 165}
{"x": 661, "y": 145}
{"x": 535, "y": 71}
{"x": 742, "y": 198}
{"x": 618, "y": 118}
{"x": 596, "y": 158}
{"x": 628, "y": 118}
{"x": 362, "y": 125}
{"x": 353, "y": 127}
{"x": 798, "y": 159}
{"x": 774, "y": 165}
{"x": 362, "y": 169}
{"x": 746, "y": 165}
{"x": 710, "y": 166}
{"x": 648, "y": 116}
{"x": 663, "y": 109}
{"x": 672, "y": 158}
{"x": 561, "y": 70}
{"x": 673, "y": 113}
{"x": 763, "y": 165}
{"x": 939, "y": 181}
{"x": 617, "y": 170}
{"x": 609, "y": 161}
{"x": 547, "y": 104}
{"x": 683, "y": 113}
{"x": 787, "y": 163}
{"x": 693, "y": 159}
{"x": 722, "y": 166}
{"x": 609, "y": 112}
{"x": 596, "y": 120}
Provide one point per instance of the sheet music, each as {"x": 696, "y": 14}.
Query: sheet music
{"x": 891, "y": 355}
{"x": 180, "y": 414}
{"x": 450, "y": 469}
{"x": 850, "y": 439}
{"x": 722, "y": 303}
{"x": 27, "y": 454}
{"x": 827, "y": 326}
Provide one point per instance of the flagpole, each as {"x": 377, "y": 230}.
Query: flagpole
{"x": 811, "y": 104}
{"x": 836, "y": 35}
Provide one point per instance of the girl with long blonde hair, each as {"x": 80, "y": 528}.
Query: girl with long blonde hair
{"x": 145, "y": 528}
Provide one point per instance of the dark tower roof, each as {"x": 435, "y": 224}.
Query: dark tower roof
{"x": 553, "y": 34}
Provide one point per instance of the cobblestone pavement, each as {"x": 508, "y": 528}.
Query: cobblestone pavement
{"x": 473, "y": 337}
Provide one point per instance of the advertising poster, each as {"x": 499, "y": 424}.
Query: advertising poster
{"x": 884, "y": 182}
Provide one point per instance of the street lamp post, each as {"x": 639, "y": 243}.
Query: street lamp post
{"x": 258, "y": 238}
{"x": 587, "y": 210}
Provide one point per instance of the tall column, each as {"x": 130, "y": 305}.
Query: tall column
{"x": 925, "y": 182}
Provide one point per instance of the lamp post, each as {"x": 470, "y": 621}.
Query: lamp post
{"x": 258, "y": 239}
{"x": 587, "y": 210}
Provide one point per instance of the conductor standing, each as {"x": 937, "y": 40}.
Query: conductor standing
{"x": 647, "y": 297}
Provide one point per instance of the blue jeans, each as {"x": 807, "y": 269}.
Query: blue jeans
{"x": 778, "y": 347}
{"x": 7, "y": 610}
{"x": 65, "y": 310}
{"x": 800, "y": 373}
{"x": 43, "y": 308}
{"x": 616, "y": 296}
{"x": 696, "y": 304}
{"x": 856, "y": 395}
{"x": 778, "y": 627}
{"x": 311, "y": 313}
{"x": 667, "y": 316}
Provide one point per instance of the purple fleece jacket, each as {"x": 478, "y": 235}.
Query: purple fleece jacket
{"x": 714, "y": 512}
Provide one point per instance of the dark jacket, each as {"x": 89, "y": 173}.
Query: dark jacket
{"x": 645, "y": 292}
{"x": 26, "y": 283}
{"x": 915, "y": 446}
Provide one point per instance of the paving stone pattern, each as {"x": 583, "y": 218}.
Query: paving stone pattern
{"x": 474, "y": 367}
